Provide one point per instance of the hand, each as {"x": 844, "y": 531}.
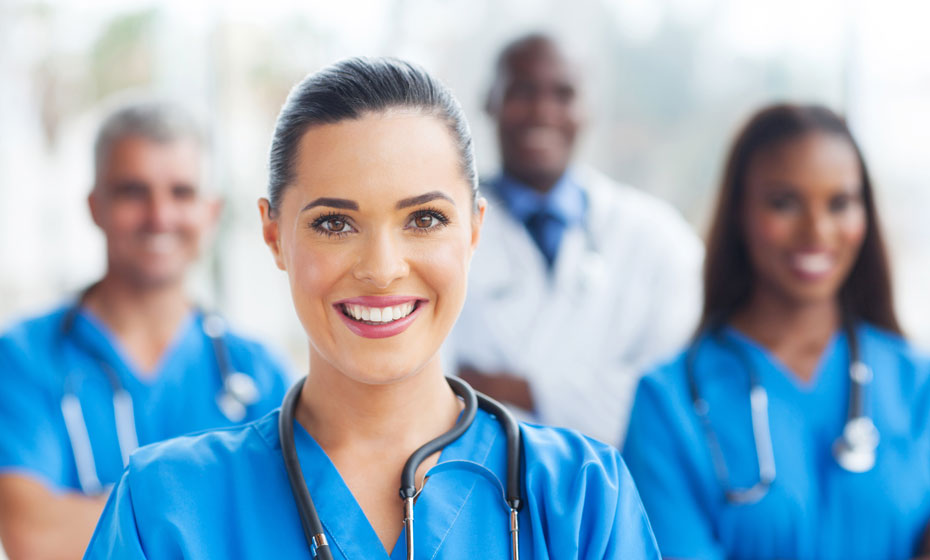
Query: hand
{"x": 503, "y": 386}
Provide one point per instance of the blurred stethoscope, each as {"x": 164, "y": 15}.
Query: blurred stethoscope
{"x": 854, "y": 450}
{"x": 238, "y": 392}
{"x": 310, "y": 521}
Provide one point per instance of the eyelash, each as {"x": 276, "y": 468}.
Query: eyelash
{"x": 440, "y": 217}
{"x": 434, "y": 213}
{"x": 317, "y": 225}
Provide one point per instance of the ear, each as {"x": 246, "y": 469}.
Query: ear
{"x": 477, "y": 221}
{"x": 215, "y": 210}
{"x": 271, "y": 232}
{"x": 94, "y": 204}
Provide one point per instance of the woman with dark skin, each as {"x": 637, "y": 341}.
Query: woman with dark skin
{"x": 797, "y": 286}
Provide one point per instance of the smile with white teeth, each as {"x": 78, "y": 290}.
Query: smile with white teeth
{"x": 378, "y": 315}
{"x": 812, "y": 263}
{"x": 159, "y": 242}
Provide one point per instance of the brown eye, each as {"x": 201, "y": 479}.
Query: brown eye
{"x": 336, "y": 225}
{"x": 424, "y": 221}
{"x": 333, "y": 225}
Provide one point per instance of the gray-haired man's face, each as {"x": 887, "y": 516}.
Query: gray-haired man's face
{"x": 149, "y": 204}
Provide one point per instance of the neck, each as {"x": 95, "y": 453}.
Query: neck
{"x": 541, "y": 183}
{"x": 771, "y": 320}
{"x": 129, "y": 310}
{"x": 342, "y": 412}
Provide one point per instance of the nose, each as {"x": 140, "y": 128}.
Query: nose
{"x": 819, "y": 225}
{"x": 382, "y": 260}
{"x": 545, "y": 108}
{"x": 161, "y": 212}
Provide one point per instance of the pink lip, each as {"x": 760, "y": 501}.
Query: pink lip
{"x": 369, "y": 330}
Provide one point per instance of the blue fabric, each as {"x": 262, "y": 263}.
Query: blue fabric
{"x": 545, "y": 215}
{"x": 225, "y": 494}
{"x": 180, "y": 398}
{"x": 814, "y": 509}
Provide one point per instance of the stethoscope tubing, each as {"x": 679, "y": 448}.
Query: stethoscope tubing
{"x": 310, "y": 520}
{"x": 123, "y": 409}
{"x": 859, "y": 376}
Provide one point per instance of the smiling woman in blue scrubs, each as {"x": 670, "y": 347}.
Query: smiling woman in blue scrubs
{"x": 130, "y": 361}
{"x": 766, "y": 438}
{"x": 374, "y": 215}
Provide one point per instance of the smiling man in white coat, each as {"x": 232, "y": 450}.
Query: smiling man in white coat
{"x": 580, "y": 283}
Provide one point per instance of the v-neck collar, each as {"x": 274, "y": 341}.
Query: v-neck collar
{"x": 438, "y": 505}
{"x": 101, "y": 339}
{"x": 759, "y": 353}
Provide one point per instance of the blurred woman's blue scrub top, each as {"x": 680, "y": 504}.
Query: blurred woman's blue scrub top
{"x": 225, "y": 494}
{"x": 37, "y": 357}
{"x": 814, "y": 509}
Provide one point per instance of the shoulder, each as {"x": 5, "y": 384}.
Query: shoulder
{"x": 559, "y": 458}
{"x": 632, "y": 203}
{"x": 207, "y": 456}
{"x": 668, "y": 378}
{"x": 662, "y": 404}
{"x": 891, "y": 350}
{"x": 563, "y": 447}
{"x": 580, "y": 491}
{"x": 35, "y": 330}
{"x": 27, "y": 347}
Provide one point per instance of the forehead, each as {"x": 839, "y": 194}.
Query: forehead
{"x": 144, "y": 159}
{"x": 380, "y": 156}
{"x": 539, "y": 61}
{"x": 814, "y": 156}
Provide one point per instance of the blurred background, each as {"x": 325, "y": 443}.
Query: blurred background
{"x": 668, "y": 83}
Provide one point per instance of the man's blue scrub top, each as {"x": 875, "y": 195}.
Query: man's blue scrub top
{"x": 225, "y": 494}
{"x": 36, "y": 357}
{"x": 814, "y": 509}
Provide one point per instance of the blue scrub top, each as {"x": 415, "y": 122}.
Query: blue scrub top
{"x": 225, "y": 494}
{"x": 179, "y": 397}
{"x": 814, "y": 509}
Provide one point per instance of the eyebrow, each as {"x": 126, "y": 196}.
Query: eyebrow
{"x": 422, "y": 199}
{"x": 342, "y": 203}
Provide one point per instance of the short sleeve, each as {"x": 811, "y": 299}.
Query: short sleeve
{"x": 117, "y": 535}
{"x": 631, "y": 535}
{"x": 30, "y": 441}
{"x": 583, "y": 499}
{"x": 667, "y": 481}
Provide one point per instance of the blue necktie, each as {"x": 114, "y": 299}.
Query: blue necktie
{"x": 546, "y": 230}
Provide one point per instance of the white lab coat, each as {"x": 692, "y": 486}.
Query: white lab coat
{"x": 624, "y": 293}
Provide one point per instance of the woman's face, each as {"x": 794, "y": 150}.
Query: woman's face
{"x": 804, "y": 217}
{"x": 376, "y": 233}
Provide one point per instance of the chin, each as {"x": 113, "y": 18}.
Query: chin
{"x": 375, "y": 372}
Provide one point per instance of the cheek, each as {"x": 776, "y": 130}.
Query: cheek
{"x": 444, "y": 269}
{"x": 852, "y": 229}
{"x": 312, "y": 272}
{"x": 125, "y": 217}
{"x": 767, "y": 231}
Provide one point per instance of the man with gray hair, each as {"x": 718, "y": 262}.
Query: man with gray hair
{"x": 130, "y": 361}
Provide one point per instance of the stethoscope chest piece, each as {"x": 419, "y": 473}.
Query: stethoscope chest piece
{"x": 239, "y": 392}
{"x": 855, "y": 449}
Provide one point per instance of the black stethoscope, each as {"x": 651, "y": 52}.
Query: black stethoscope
{"x": 854, "y": 450}
{"x": 310, "y": 521}
{"x": 238, "y": 392}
